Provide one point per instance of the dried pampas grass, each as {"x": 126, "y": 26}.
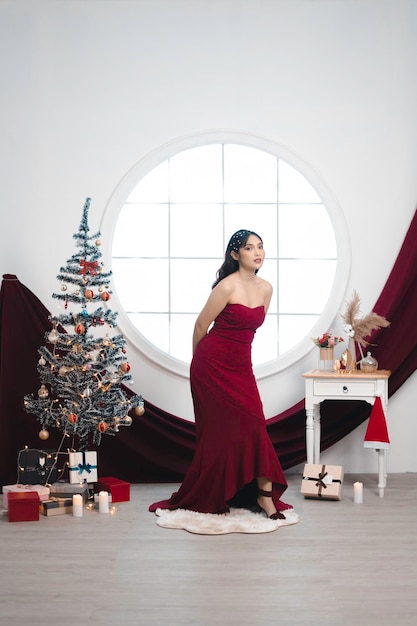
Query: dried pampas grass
{"x": 357, "y": 327}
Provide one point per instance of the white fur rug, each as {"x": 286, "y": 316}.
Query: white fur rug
{"x": 237, "y": 521}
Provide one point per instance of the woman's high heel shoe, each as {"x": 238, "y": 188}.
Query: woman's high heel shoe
{"x": 268, "y": 494}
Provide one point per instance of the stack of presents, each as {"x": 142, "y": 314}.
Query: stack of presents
{"x": 42, "y": 490}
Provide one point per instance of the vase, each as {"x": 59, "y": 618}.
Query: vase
{"x": 352, "y": 349}
{"x": 326, "y": 360}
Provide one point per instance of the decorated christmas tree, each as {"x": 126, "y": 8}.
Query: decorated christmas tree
{"x": 82, "y": 366}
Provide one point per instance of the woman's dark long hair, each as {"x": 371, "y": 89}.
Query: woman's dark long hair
{"x": 236, "y": 242}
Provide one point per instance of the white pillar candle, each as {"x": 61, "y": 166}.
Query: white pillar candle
{"x": 77, "y": 505}
{"x": 103, "y": 502}
{"x": 358, "y": 493}
{"x": 96, "y": 496}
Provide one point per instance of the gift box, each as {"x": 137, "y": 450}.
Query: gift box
{"x": 36, "y": 467}
{"x": 83, "y": 467}
{"x": 322, "y": 481}
{"x": 41, "y": 490}
{"x": 62, "y": 489}
{"x": 56, "y": 506}
{"x": 119, "y": 489}
{"x": 23, "y": 506}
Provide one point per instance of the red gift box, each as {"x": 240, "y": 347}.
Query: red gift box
{"x": 119, "y": 489}
{"x": 23, "y": 506}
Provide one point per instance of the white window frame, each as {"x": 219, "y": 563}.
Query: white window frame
{"x": 343, "y": 262}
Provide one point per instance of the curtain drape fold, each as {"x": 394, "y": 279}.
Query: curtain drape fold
{"x": 158, "y": 447}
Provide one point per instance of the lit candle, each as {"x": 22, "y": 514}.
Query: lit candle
{"x": 103, "y": 502}
{"x": 96, "y": 498}
{"x": 77, "y": 505}
{"x": 358, "y": 493}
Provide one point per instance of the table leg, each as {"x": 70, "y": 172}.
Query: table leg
{"x": 317, "y": 434}
{"x": 310, "y": 435}
{"x": 381, "y": 472}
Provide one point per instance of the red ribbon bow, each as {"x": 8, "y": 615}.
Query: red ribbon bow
{"x": 88, "y": 267}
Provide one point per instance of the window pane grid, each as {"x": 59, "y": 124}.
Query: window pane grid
{"x": 176, "y": 223}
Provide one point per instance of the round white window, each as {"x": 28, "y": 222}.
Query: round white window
{"x": 174, "y": 215}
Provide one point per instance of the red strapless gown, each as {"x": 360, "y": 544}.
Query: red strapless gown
{"x": 233, "y": 446}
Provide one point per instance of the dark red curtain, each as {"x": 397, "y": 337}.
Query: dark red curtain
{"x": 158, "y": 447}
{"x": 396, "y": 346}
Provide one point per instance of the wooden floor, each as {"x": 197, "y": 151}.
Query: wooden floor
{"x": 342, "y": 564}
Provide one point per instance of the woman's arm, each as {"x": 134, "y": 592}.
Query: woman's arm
{"x": 268, "y": 296}
{"x": 216, "y": 302}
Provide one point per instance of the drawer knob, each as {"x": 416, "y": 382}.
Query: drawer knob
{"x": 345, "y": 389}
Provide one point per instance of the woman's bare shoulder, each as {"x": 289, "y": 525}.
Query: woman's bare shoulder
{"x": 265, "y": 285}
{"x": 226, "y": 285}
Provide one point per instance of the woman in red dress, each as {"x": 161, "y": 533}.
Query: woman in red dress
{"x": 234, "y": 460}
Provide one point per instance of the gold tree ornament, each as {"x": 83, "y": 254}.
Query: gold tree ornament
{"x": 358, "y": 327}
{"x": 44, "y": 434}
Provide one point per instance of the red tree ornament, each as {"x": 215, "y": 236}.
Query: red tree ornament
{"x": 80, "y": 329}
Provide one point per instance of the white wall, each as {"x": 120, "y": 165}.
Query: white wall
{"x": 90, "y": 87}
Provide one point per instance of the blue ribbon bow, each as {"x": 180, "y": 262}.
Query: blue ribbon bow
{"x": 84, "y": 468}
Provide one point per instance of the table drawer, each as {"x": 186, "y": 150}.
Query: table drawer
{"x": 344, "y": 388}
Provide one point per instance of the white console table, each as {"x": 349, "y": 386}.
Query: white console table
{"x": 321, "y": 385}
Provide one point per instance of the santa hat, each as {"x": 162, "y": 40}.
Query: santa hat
{"x": 376, "y": 435}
